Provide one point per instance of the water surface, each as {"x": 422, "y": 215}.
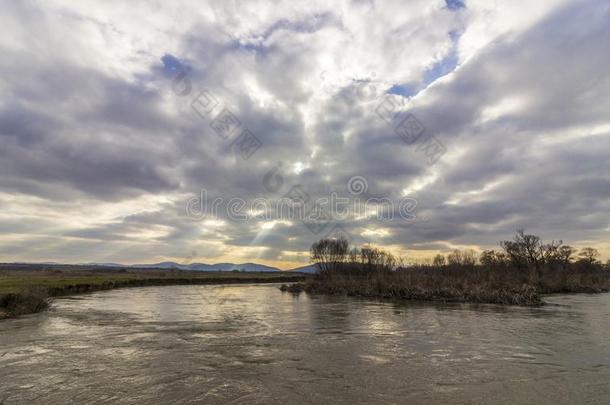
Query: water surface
{"x": 254, "y": 344}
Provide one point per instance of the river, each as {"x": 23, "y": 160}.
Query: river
{"x": 254, "y": 344}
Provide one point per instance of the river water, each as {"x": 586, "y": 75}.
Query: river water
{"x": 253, "y": 344}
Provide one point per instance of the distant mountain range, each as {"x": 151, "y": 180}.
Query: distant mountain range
{"x": 309, "y": 269}
{"x": 248, "y": 267}
{"x": 195, "y": 266}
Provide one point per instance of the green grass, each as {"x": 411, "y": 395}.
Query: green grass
{"x": 28, "y": 288}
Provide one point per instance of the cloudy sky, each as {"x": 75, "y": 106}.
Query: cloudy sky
{"x": 114, "y": 115}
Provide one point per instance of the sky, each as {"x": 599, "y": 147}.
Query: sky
{"x": 117, "y": 117}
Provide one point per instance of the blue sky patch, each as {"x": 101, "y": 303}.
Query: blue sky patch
{"x": 455, "y": 4}
{"x": 433, "y": 73}
{"x": 171, "y": 64}
{"x": 441, "y": 68}
{"x": 404, "y": 90}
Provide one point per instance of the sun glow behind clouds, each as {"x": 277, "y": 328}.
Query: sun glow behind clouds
{"x": 504, "y": 107}
{"x": 98, "y": 150}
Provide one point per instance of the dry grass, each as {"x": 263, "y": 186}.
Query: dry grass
{"x": 460, "y": 283}
{"x": 30, "y": 299}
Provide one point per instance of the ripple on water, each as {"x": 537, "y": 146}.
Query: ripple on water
{"x": 254, "y": 344}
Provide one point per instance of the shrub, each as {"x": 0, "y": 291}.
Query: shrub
{"x": 31, "y": 299}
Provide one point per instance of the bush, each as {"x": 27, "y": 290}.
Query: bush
{"x": 295, "y": 288}
{"x": 31, "y": 299}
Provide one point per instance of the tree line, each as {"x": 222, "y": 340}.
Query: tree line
{"x": 524, "y": 251}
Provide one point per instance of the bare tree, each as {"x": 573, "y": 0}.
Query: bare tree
{"x": 589, "y": 255}
{"x": 524, "y": 250}
{"x": 492, "y": 258}
{"x": 454, "y": 258}
{"x": 565, "y": 255}
{"x": 353, "y": 256}
{"x": 439, "y": 261}
{"x": 368, "y": 256}
{"x": 469, "y": 257}
{"x": 377, "y": 259}
{"x": 549, "y": 252}
{"x": 458, "y": 257}
{"x": 329, "y": 254}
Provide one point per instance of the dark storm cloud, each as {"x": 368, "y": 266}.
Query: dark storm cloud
{"x": 100, "y": 137}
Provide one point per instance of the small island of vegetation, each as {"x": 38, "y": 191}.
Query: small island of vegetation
{"x": 518, "y": 274}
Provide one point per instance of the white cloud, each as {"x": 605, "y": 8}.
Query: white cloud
{"x": 96, "y": 147}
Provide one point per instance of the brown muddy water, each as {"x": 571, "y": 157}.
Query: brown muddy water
{"x": 253, "y": 344}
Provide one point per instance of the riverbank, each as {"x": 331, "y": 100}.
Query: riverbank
{"x": 25, "y": 291}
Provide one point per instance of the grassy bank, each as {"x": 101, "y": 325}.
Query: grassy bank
{"x": 29, "y": 290}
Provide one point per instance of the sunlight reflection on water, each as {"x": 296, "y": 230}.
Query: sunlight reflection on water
{"x": 255, "y": 344}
